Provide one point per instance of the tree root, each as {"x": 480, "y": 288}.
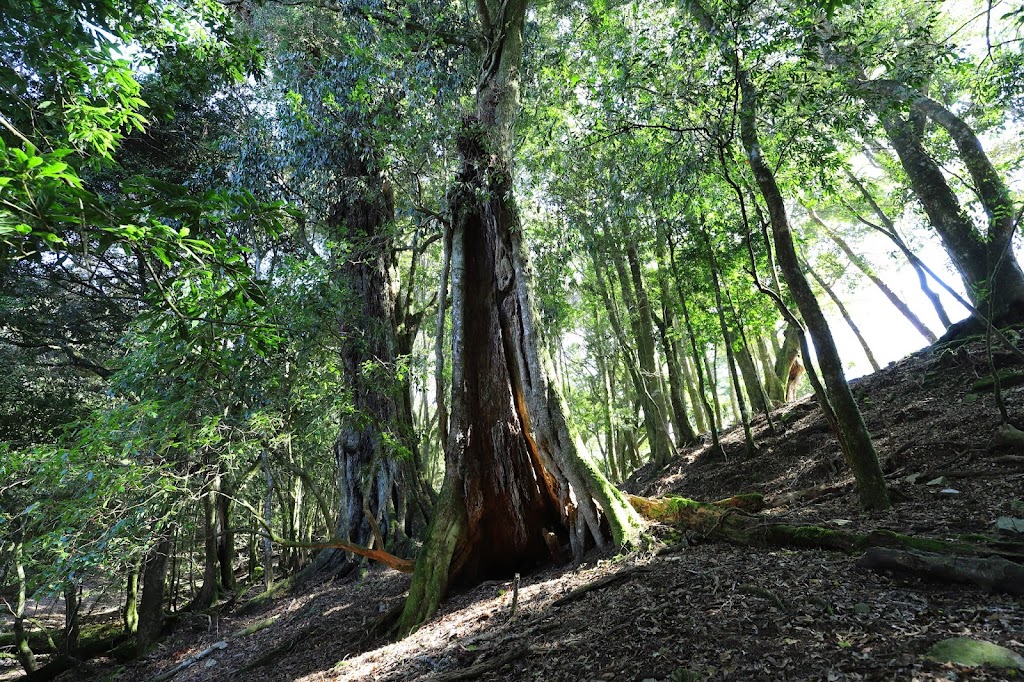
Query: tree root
{"x": 474, "y": 671}
{"x": 88, "y": 650}
{"x": 607, "y": 580}
{"x": 995, "y": 574}
{"x": 762, "y": 592}
{"x": 190, "y": 661}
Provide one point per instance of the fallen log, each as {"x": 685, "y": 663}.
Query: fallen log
{"x": 806, "y": 495}
{"x": 751, "y": 502}
{"x": 605, "y": 581}
{"x": 190, "y": 661}
{"x": 995, "y": 574}
{"x": 728, "y": 524}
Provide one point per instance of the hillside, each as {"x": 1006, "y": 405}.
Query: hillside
{"x": 704, "y": 610}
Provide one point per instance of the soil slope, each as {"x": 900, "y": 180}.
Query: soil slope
{"x": 708, "y": 611}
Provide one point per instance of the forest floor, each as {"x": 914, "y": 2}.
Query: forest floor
{"x": 710, "y": 611}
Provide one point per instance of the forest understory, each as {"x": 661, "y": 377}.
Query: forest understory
{"x": 690, "y": 608}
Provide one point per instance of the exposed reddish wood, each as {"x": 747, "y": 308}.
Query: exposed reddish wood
{"x": 386, "y": 558}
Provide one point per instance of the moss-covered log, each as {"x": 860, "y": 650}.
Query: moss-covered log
{"x": 730, "y": 524}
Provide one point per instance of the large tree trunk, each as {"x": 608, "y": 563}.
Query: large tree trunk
{"x": 513, "y": 472}
{"x": 983, "y": 255}
{"x": 368, "y": 447}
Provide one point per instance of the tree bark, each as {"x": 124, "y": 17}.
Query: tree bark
{"x": 268, "y": 517}
{"x": 853, "y": 434}
{"x": 224, "y": 535}
{"x": 699, "y": 414}
{"x": 513, "y": 473}
{"x": 373, "y": 437}
{"x": 131, "y": 601}
{"x": 773, "y": 386}
{"x": 787, "y": 358}
{"x": 209, "y": 590}
{"x": 21, "y": 645}
{"x": 72, "y": 623}
{"x": 151, "y": 606}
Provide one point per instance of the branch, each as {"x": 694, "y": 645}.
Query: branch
{"x": 472, "y": 41}
{"x": 386, "y": 558}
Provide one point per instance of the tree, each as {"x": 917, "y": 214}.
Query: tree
{"x": 836, "y": 399}
{"x": 513, "y": 472}
{"x": 980, "y": 249}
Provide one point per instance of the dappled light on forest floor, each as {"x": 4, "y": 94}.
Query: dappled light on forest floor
{"x": 700, "y": 610}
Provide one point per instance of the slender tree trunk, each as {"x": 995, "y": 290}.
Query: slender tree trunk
{"x": 888, "y": 228}
{"x": 685, "y": 434}
{"x": 268, "y": 517}
{"x": 131, "y": 601}
{"x": 716, "y": 399}
{"x": 748, "y": 436}
{"x": 72, "y": 623}
{"x": 700, "y": 415}
{"x": 209, "y": 590}
{"x": 649, "y": 389}
{"x": 442, "y": 305}
{"x": 151, "y": 606}
{"x": 702, "y": 385}
{"x": 786, "y": 360}
{"x": 773, "y": 386}
{"x": 224, "y": 535}
{"x": 869, "y": 272}
{"x": 846, "y": 316}
{"x": 21, "y": 645}
{"x": 607, "y": 405}
{"x": 636, "y": 373}
{"x": 853, "y": 434}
